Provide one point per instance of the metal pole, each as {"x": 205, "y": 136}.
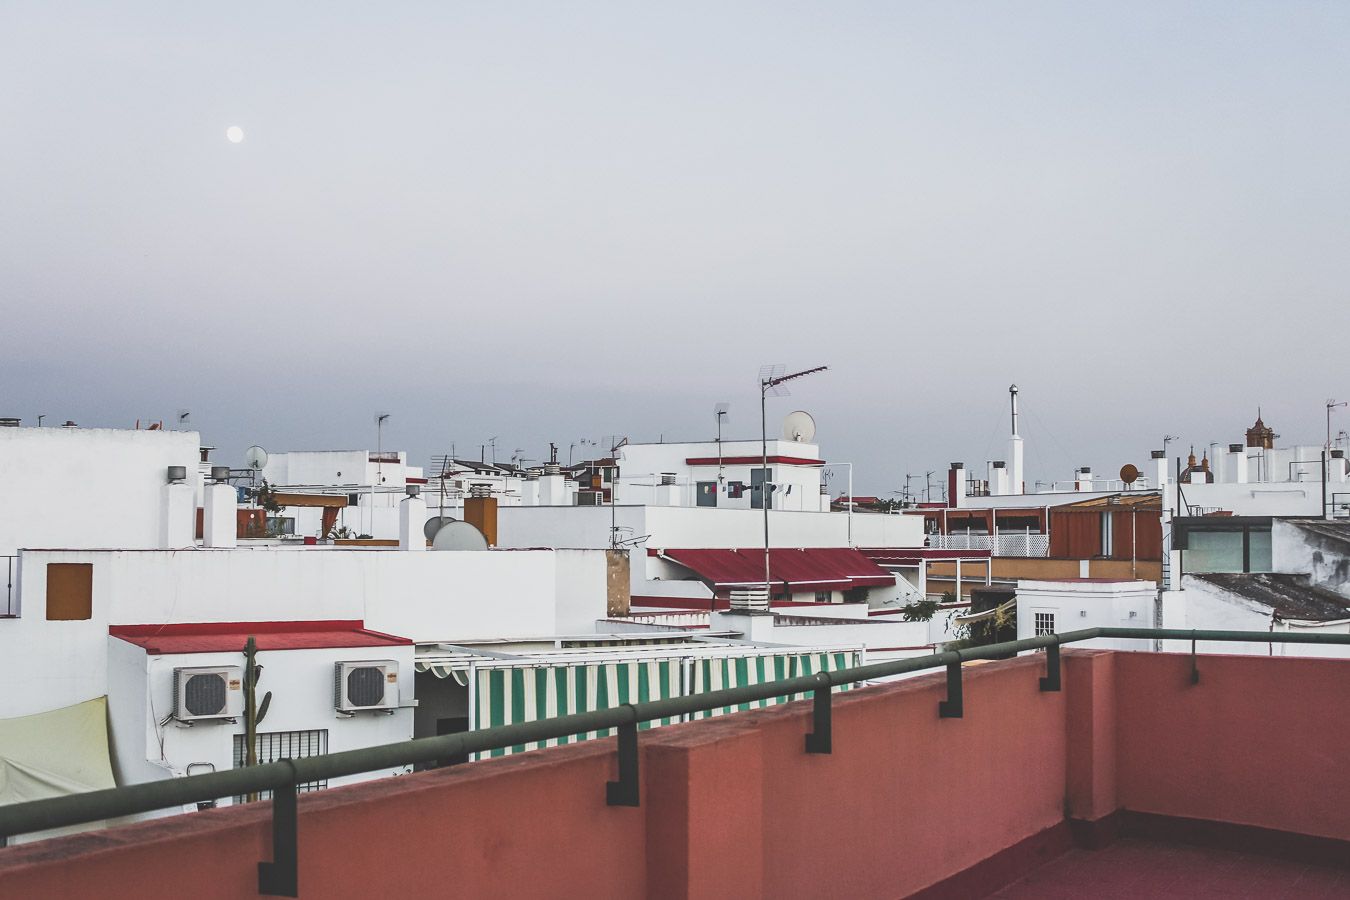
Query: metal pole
{"x": 764, "y": 483}
{"x": 850, "y": 504}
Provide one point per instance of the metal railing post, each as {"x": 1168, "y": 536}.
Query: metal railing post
{"x": 280, "y": 877}
{"x": 821, "y": 738}
{"x": 1195, "y": 668}
{"x": 1051, "y": 681}
{"x": 953, "y": 707}
{"x": 624, "y": 792}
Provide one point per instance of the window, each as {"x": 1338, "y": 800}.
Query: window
{"x": 275, "y": 745}
{"x": 279, "y": 525}
{"x": 1107, "y": 536}
{"x": 707, "y": 493}
{"x": 824, "y": 596}
{"x": 757, "y": 479}
{"x": 1044, "y": 623}
{"x": 70, "y": 591}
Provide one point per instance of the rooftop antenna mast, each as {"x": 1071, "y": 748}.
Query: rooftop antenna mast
{"x": 1332, "y": 404}
{"x": 771, "y": 380}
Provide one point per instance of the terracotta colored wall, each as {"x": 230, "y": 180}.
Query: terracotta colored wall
{"x": 1259, "y": 741}
{"x": 734, "y": 807}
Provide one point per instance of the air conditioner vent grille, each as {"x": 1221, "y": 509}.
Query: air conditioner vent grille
{"x": 365, "y": 686}
{"x": 204, "y": 695}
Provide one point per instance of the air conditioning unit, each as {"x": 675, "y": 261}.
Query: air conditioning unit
{"x": 208, "y": 694}
{"x": 370, "y": 684}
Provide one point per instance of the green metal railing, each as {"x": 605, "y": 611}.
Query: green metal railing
{"x": 279, "y": 876}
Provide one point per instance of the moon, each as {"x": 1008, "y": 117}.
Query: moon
{"x": 235, "y": 134}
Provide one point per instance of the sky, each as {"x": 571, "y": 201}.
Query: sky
{"x": 556, "y": 222}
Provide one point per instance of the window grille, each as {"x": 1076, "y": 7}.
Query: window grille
{"x": 1045, "y": 623}
{"x": 275, "y": 745}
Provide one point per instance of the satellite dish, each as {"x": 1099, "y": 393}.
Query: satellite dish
{"x": 255, "y": 458}
{"x": 1129, "y": 474}
{"x": 799, "y": 426}
{"x": 435, "y": 524}
{"x": 458, "y": 536}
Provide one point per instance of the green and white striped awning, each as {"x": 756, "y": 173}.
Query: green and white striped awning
{"x": 505, "y": 692}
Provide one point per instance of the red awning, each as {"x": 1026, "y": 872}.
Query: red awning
{"x": 794, "y": 571}
{"x": 721, "y": 568}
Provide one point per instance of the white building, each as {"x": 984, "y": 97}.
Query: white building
{"x": 723, "y": 475}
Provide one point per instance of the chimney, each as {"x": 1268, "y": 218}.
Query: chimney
{"x": 178, "y": 522}
{"x": 1159, "y": 468}
{"x": 825, "y": 497}
{"x": 667, "y": 491}
{"x": 956, "y": 485}
{"x": 529, "y": 488}
{"x": 220, "y": 512}
{"x": 1083, "y": 478}
{"x": 412, "y": 518}
{"x": 1014, "y": 449}
{"x": 998, "y": 478}
{"x": 480, "y": 511}
{"x": 1336, "y": 467}
{"x": 1237, "y": 458}
{"x": 552, "y": 491}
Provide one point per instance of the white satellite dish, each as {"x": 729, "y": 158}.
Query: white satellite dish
{"x": 435, "y": 524}
{"x": 255, "y": 458}
{"x": 458, "y": 536}
{"x": 799, "y": 426}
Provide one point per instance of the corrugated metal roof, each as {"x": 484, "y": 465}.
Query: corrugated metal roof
{"x": 1290, "y": 596}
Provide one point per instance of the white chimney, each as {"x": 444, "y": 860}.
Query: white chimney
{"x": 998, "y": 478}
{"x": 529, "y": 489}
{"x": 668, "y": 492}
{"x": 1083, "y": 479}
{"x": 1160, "y": 469}
{"x": 412, "y": 518}
{"x": 1014, "y": 449}
{"x": 178, "y": 524}
{"x": 1237, "y": 457}
{"x": 1336, "y": 466}
{"x": 552, "y": 491}
{"x": 220, "y": 511}
{"x": 1218, "y": 464}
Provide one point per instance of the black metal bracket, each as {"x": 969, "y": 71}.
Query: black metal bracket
{"x": 624, "y": 792}
{"x": 953, "y": 707}
{"x": 821, "y": 739}
{"x": 280, "y": 878}
{"x": 1051, "y": 681}
{"x": 1195, "y": 670}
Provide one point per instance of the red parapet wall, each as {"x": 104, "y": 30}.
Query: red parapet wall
{"x": 907, "y": 802}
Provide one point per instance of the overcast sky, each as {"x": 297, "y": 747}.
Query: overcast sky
{"x": 565, "y": 220}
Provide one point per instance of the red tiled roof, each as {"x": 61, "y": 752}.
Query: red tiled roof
{"x": 811, "y": 569}
{"x": 218, "y": 637}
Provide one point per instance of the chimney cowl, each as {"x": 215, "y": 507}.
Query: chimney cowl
{"x": 1235, "y": 448}
{"x": 10, "y": 422}
{"x": 958, "y": 465}
{"x": 1157, "y": 454}
{"x": 177, "y": 474}
{"x": 220, "y": 474}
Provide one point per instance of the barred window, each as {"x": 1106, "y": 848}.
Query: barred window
{"x": 275, "y": 745}
{"x": 1045, "y": 623}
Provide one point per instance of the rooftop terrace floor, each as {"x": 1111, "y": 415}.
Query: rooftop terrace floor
{"x": 1138, "y": 868}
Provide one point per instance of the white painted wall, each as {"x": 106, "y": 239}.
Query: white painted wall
{"x": 1086, "y": 604}
{"x": 427, "y": 597}
{"x": 640, "y": 466}
{"x": 140, "y": 697}
{"x": 91, "y": 487}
